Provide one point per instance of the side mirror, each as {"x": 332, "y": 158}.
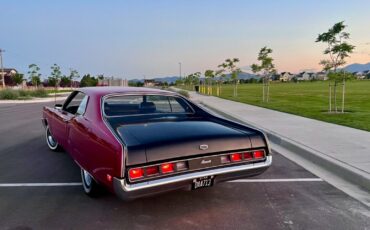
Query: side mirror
{"x": 58, "y": 106}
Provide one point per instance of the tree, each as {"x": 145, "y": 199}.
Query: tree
{"x": 65, "y": 81}
{"x": 34, "y": 75}
{"x": 191, "y": 80}
{"x": 73, "y": 75}
{"x": 267, "y": 69}
{"x": 179, "y": 82}
{"x": 230, "y": 66}
{"x": 18, "y": 78}
{"x": 219, "y": 74}
{"x": 88, "y": 80}
{"x": 56, "y": 75}
{"x": 52, "y": 82}
{"x": 210, "y": 75}
{"x": 337, "y": 49}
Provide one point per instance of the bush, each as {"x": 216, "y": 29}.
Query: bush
{"x": 9, "y": 94}
{"x": 38, "y": 93}
{"x": 184, "y": 93}
{"x": 23, "y": 93}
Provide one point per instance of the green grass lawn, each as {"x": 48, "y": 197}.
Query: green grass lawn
{"x": 310, "y": 99}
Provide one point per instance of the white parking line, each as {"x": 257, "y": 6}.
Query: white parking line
{"x": 277, "y": 180}
{"x": 39, "y": 184}
{"x": 237, "y": 181}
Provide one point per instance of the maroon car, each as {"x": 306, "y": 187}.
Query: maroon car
{"x": 138, "y": 141}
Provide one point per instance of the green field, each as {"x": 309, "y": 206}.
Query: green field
{"x": 310, "y": 99}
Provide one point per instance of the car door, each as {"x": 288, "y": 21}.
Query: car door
{"x": 79, "y": 133}
{"x": 63, "y": 116}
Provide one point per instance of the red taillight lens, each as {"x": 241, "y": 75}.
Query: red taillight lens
{"x": 236, "y": 157}
{"x": 248, "y": 156}
{"x": 136, "y": 173}
{"x": 259, "y": 154}
{"x": 167, "y": 168}
{"x": 153, "y": 170}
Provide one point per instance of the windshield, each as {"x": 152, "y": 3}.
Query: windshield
{"x": 145, "y": 104}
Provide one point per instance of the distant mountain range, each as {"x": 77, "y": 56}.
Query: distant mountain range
{"x": 357, "y": 67}
{"x": 245, "y": 76}
{"x": 172, "y": 79}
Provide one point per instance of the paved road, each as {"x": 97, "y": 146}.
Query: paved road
{"x": 24, "y": 158}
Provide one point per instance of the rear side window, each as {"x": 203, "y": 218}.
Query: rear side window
{"x": 145, "y": 104}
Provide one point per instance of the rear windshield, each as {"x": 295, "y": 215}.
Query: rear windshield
{"x": 145, "y": 104}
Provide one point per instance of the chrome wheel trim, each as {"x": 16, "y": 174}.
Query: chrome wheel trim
{"x": 87, "y": 178}
{"x": 52, "y": 143}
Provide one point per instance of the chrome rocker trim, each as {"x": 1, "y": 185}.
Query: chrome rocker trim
{"x": 121, "y": 186}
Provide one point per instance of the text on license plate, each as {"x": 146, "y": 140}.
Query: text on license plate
{"x": 203, "y": 182}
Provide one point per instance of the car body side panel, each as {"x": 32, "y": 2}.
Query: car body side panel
{"x": 88, "y": 140}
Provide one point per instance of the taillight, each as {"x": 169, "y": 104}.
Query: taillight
{"x": 167, "y": 168}
{"x": 225, "y": 159}
{"x": 259, "y": 154}
{"x": 236, "y": 157}
{"x": 152, "y": 170}
{"x": 181, "y": 165}
{"x": 248, "y": 156}
{"x": 136, "y": 173}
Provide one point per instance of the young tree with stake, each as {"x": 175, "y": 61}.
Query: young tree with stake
{"x": 230, "y": 66}
{"x": 34, "y": 75}
{"x": 337, "y": 49}
{"x": 56, "y": 75}
{"x": 267, "y": 69}
{"x": 209, "y": 74}
{"x": 73, "y": 75}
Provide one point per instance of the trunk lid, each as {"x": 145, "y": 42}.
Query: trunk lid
{"x": 175, "y": 139}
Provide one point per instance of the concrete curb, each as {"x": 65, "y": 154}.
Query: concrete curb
{"x": 48, "y": 99}
{"x": 342, "y": 170}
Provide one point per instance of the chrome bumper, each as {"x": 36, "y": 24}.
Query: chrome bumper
{"x": 131, "y": 191}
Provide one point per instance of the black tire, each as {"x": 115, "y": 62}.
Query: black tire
{"x": 91, "y": 188}
{"x": 51, "y": 142}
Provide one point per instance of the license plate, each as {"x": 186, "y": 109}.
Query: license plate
{"x": 203, "y": 182}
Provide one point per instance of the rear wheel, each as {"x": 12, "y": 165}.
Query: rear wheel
{"x": 52, "y": 143}
{"x": 90, "y": 186}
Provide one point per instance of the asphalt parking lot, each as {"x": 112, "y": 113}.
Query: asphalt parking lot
{"x": 285, "y": 197}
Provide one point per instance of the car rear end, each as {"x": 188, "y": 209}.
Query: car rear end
{"x": 191, "y": 173}
{"x": 186, "y": 149}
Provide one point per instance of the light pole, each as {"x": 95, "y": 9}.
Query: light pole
{"x": 2, "y": 67}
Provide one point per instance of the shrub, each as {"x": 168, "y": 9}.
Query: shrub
{"x": 38, "y": 93}
{"x": 23, "y": 93}
{"x": 184, "y": 93}
{"x": 9, "y": 94}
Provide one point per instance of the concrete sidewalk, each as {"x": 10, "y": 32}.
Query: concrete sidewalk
{"x": 342, "y": 150}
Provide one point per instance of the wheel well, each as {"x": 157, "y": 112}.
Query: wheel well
{"x": 45, "y": 122}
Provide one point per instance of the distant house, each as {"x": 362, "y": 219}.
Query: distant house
{"x": 286, "y": 76}
{"x": 322, "y": 76}
{"x": 8, "y": 74}
{"x": 306, "y": 76}
{"x": 275, "y": 77}
{"x": 150, "y": 83}
{"x": 362, "y": 74}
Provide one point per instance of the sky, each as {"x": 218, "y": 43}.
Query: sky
{"x": 133, "y": 39}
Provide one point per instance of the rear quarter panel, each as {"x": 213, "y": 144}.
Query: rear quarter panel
{"x": 97, "y": 150}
